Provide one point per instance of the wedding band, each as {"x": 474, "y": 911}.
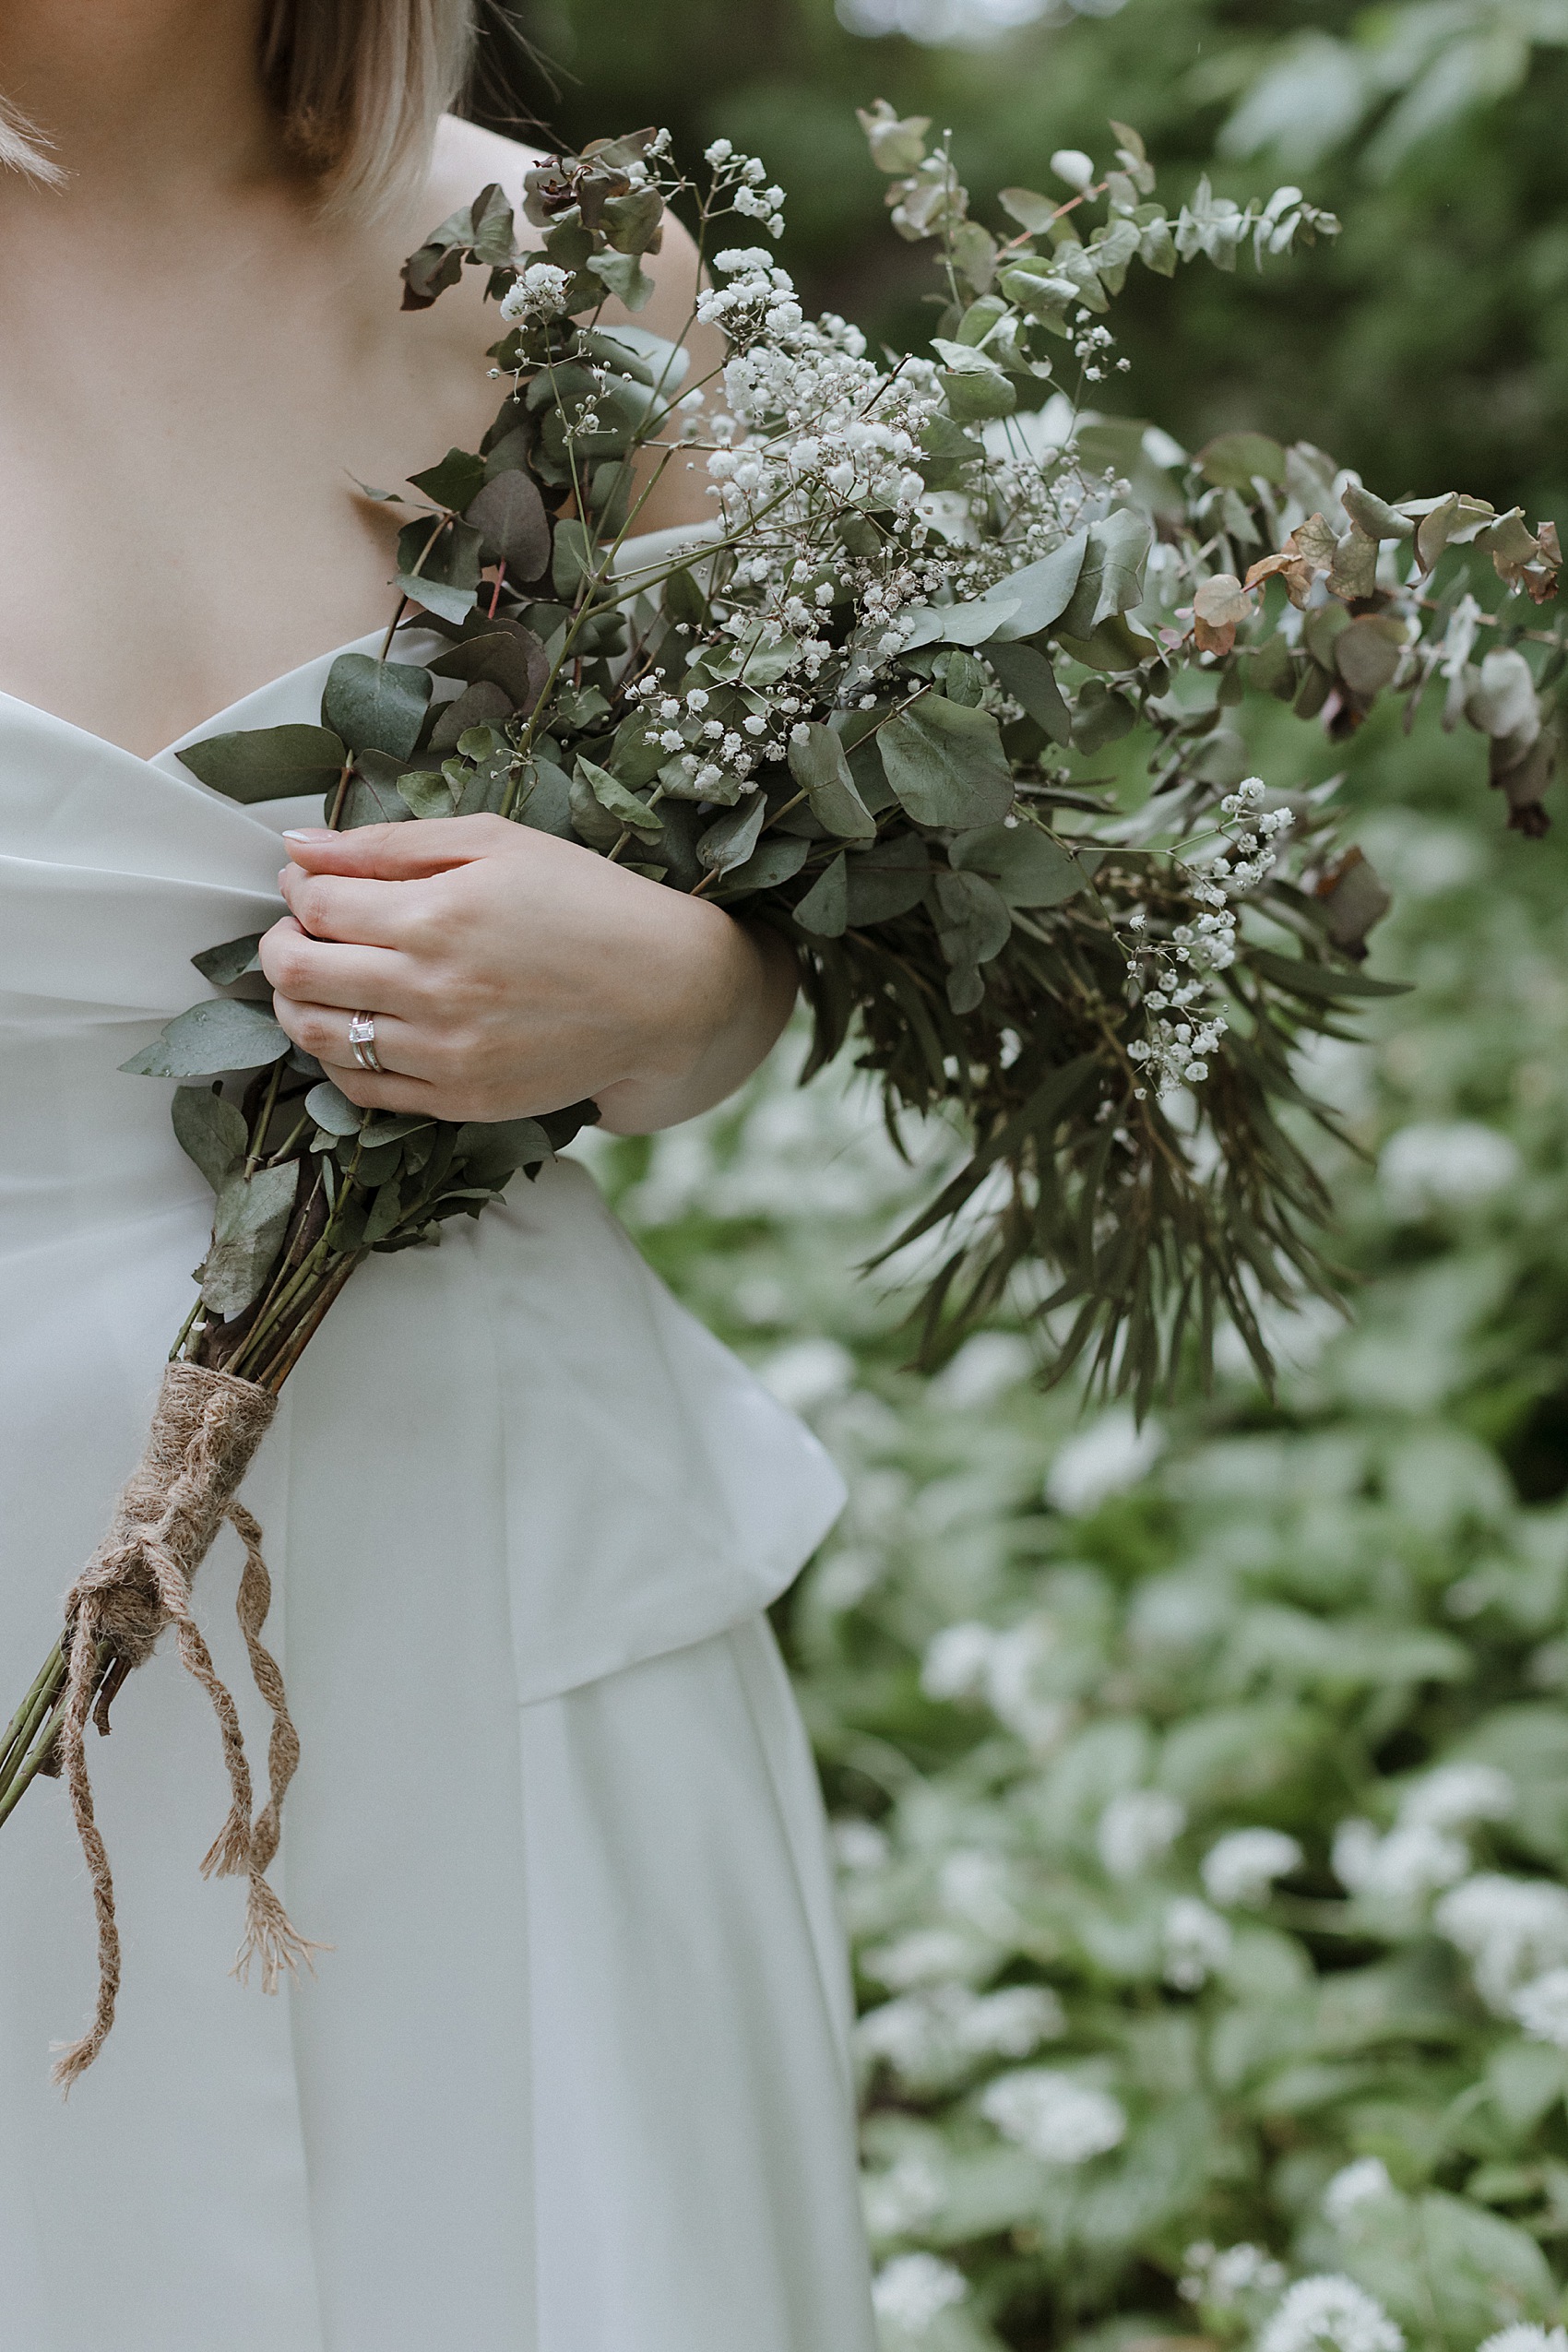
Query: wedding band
{"x": 362, "y": 1040}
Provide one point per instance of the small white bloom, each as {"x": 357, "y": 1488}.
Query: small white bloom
{"x": 719, "y": 152}
{"x": 1058, "y": 2119}
{"x": 860, "y": 1845}
{"x": 1541, "y": 2007}
{"x": 1356, "y": 2185}
{"x": 1510, "y": 1929}
{"x": 1457, "y": 1794}
{"x": 1137, "y": 1827}
{"x": 538, "y": 293}
{"x": 903, "y": 2199}
{"x": 800, "y": 732}
{"x": 1198, "y": 1941}
{"x": 913, "y": 2290}
{"x": 1333, "y": 2312}
{"x": 1106, "y": 1459}
{"x": 1221, "y": 2275}
{"x": 957, "y": 1662}
{"x": 1012, "y": 2023}
{"x": 1240, "y": 1868}
{"x": 1409, "y": 1863}
{"x": 1523, "y": 2336}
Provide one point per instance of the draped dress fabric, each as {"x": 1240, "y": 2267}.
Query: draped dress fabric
{"x": 572, "y": 2076}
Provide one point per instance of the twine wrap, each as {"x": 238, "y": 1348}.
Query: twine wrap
{"x": 205, "y": 1429}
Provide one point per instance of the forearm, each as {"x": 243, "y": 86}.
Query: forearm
{"x": 746, "y": 1001}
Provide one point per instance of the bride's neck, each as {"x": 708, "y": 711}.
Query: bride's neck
{"x": 141, "y": 105}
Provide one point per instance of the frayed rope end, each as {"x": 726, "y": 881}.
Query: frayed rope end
{"x": 229, "y": 1854}
{"x": 272, "y": 1938}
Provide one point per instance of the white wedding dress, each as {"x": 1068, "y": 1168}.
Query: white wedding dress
{"x": 572, "y": 2075}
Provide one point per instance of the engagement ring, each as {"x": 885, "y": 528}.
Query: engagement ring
{"x": 362, "y": 1040}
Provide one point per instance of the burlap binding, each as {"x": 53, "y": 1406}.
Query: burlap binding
{"x": 205, "y": 1431}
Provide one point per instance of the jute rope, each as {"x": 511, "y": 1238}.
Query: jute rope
{"x": 205, "y": 1429}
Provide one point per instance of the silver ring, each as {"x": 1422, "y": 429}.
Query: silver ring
{"x": 362, "y": 1041}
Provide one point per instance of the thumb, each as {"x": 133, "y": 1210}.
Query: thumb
{"x": 393, "y": 852}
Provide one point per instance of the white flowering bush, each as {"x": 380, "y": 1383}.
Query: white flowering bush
{"x": 1201, "y": 1794}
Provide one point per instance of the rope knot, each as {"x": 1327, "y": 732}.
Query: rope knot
{"x": 205, "y": 1429}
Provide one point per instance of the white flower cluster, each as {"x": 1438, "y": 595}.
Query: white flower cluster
{"x": 1541, "y": 2008}
{"x": 902, "y": 2200}
{"x": 1004, "y": 1668}
{"x": 1239, "y": 1869}
{"x": 1329, "y": 2313}
{"x": 1222, "y": 2276}
{"x": 1056, "y": 2118}
{"x": 943, "y": 2031}
{"x": 1421, "y": 1853}
{"x": 1197, "y": 1942}
{"x": 1355, "y": 2185}
{"x": 1523, "y": 2336}
{"x": 1511, "y": 1930}
{"x": 539, "y": 292}
{"x": 1137, "y": 1827}
{"x": 1175, "y": 1054}
{"x": 743, "y": 178}
{"x": 913, "y": 2290}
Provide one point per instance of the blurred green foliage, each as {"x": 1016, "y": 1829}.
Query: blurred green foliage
{"x": 1429, "y": 345}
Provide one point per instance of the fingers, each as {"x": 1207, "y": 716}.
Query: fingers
{"x": 385, "y": 1090}
{"x": 403, "y": 1050}
{"x": 358, "y": 913}
{"x": 318, "y": 971}
{"x": 399, "y": 852}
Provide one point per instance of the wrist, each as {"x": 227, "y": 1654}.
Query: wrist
{"x": 727, "y": 994}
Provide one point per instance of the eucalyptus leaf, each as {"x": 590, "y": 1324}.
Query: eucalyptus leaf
{"x": 253, "y": 1213}
{"x": 818, "y": 765}
{"x": 1029, "y": 866}
{"x": 454, "y": 482}
{"x": 613, "y": 798}
{"x": 209, "y": 1130}
{"x": 777, "y": 859}
{"x": 509, "y": 514}
{"x": 333, "y": 1110}
{"x": 375, "y": 706}
{"x": 825, "y": 910}
{"x": 1111, "y": 579}
{"x": 945, "y": 763}
{"x": 624, "y": 276}
{"x": 888, "y": 880}
{"x": 268, "y": 763}
{"x": 231, "y": 962}
{"x": 730, "y": 840}
{"x": 211, "y": 1041}
{"x": 1028, "y": 677}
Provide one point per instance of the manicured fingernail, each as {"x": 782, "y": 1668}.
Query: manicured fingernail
{"x": 309, "y": 832}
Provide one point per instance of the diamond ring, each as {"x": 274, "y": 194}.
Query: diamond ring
{"x": 362, "y": 1040}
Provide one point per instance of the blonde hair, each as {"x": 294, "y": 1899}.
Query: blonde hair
{"x": 358, "y": 85}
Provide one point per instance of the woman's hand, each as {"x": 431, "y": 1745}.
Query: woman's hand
{"x": 511, "y": 973}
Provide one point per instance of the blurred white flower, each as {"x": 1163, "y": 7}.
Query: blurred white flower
{"x": 808, "y": 1373}
{"x": 860, "y": 1845}
{"x": 1457, "y": 1165}
{"x": 1137, "y": 1827}
{"x": 1457, "y": 1794}
{"x": 1541, "y": 2007}
{"x": 1241, "y": 1867}
{"x": 912, "y": 2290}
{"x": 903, "y": 2199}
{"x": 1107, "y": 1459}
{"x": 1329, "y": 2311}
{"x": 1523, "y": 2337}
{"x": 1198, "y": 1941}
{"x": 1222, "y": 2275}
{"x": 1012, "y": 2022}
{"x": 957, "y": 1663}
{"x": 1356, "y": 2185}
{"x": 923, "y": 1957}
{"x": 1509, "y": 1929}
{"x": 1407, "y": 1864}
{"x": 985, "y": 1368}
{"x": 1056, "y": 2118}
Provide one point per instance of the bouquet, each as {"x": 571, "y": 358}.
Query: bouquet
{"x": 874, "y": 706}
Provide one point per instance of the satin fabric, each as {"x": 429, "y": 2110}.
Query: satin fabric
{"x": 571, "y": 2077}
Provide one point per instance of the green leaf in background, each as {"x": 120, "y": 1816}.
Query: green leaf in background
{"x": 825, "y": 908}
{"x": 624, "y": 276}
{"x": 1233, "y": 459}
{"x": 209, "y": 1130}
{"x": 1029, "y": 679}
{"x": 232, "y": 961}
{"x": 1029, "y": 867}
{"x": 333, "y": 1110}
{"x": 574, "y": 557}
{"x": 375, "y": 706}
{"x": 945, "y": 763}
{"x": 246, "y": 1234}
{"x": 819, "y": 766}
{"x": 211, "y": 1041}
{"x": 622, "y": 807}
{"x": 1111, "y": 579}
{"x": 438, "y": 566}
{"x": 509, "y": 516}
{"x": 888, "y": 880}
{"x": 454, "y": 482}
{"x": 729, "y": 842}
{"x": 268, "y": 763}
